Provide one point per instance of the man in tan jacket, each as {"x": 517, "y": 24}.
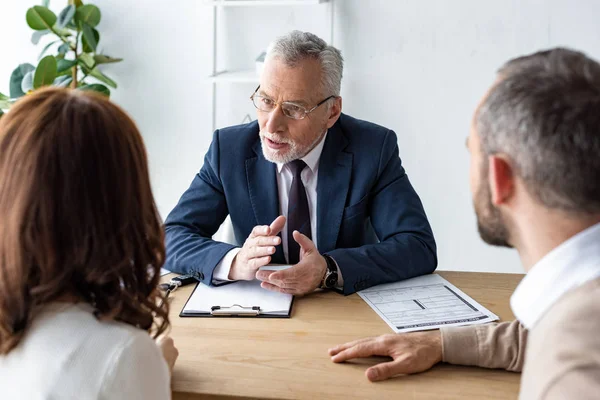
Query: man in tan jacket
{"x": 535, "y": 180}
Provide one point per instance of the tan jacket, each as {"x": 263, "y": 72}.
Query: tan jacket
{"x": 559, "y": 357}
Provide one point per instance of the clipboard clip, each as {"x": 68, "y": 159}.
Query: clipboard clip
{"x": 235, "y": 310}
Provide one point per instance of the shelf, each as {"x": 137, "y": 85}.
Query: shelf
{"x": 234, "y": 3}
{"x": 247, "y": 75}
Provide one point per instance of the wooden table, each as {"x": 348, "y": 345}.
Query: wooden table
{"x": 287, "y": 358}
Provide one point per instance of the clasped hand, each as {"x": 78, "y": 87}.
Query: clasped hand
{"x": 256, "y": 252}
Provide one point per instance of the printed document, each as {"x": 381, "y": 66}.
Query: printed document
{"x": 425, "y": 302}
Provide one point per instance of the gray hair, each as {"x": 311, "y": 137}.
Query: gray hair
{"x": 297, "y": 46}
{"x": 544, "y": 113}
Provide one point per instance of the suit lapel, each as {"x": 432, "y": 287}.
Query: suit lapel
{"x": 262, "y": 187}
{"x": 335, "y": 170}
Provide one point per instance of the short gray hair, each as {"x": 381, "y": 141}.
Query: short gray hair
{"x": 297, "y": 46}
{"x": 544, "y": 113}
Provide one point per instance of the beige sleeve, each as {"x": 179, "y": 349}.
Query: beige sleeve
{"x": 490, "y": 346}
{"x": 578, "y": 383}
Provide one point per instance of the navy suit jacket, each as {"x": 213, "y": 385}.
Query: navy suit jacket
{"x": 369, "y": 218}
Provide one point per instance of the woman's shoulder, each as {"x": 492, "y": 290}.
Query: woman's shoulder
{"x": 81, "y": 320}
{"x": 106, "y": 333}
{"x": 67, "y": 342}
{"x": 127, "y": 358}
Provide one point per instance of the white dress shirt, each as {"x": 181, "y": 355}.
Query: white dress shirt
{"x": 67, "y": 353}
{"x": 568, "y": 266}
{"x": 285, "y": 177}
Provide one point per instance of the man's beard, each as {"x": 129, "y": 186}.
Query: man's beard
{"x": 294, "y": 151}
{"x": 490, "y": 223}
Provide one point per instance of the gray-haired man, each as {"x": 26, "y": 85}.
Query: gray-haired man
{"x": 535, "y": 168}
{"x": 304, "y": 185}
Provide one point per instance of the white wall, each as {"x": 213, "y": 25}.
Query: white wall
{"x": 15, "y": 40}
{"x": 416, "y": 66}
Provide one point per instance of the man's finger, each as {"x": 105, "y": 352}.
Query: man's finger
{"x": 286, "y": 275}
{"x": 341, "y": 347}
{"x": 366, "y": 349}
{"x": 277, "y": 225}
{"x": 261, "y": 251}
{"x": 256, "y": 263}
{"x": 259, "y": 230}
{"x": 274, "y": 288}
{"x": 284, "y": 284}
{"x": 303, "y": 241}
{"x": 263, "y": 275}
{"x": 266, "y": 240}
{"x": 387, "y": 370}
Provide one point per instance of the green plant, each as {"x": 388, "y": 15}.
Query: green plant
{"x": 76, "y": 63}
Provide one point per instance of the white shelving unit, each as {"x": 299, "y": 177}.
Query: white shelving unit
{"x": 249, "y": 75}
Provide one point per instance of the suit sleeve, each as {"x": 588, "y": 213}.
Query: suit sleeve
{"x": 489, "y": 346}
{"x": 195, "y": 219}
{"x": 406, "y": 245}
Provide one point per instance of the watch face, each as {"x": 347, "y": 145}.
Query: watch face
{"x": 331, "y": 280}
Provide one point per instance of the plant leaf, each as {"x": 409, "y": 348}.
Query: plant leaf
{"x": 102, "y": 59}
{"x": 17, "y": 77}
{"x": 63, "y": 48}
{"x": 27, "y": 82}
{"x": 45, "y": 73}
{"x": 45, "y": 49}
{"x": 4, "y": 102}
{"x": 65, "y": 66}
{"x": 89, "y": 14}
{"x": 40, "y": 18}
{"x": 90, "y": 38}
{"x": 62, "y": 81}
{"x": 103, "y": 78}
{"x": 96, "y": 87}
{"x": 37, "y": 35}
{"x": 76, "y": 3}
{"x": 62, "y": 32}
{"x": 87, "y": 59}
{"x": 65, "y": 16}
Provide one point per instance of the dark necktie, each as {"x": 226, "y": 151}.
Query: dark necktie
{"x": 298, "y": 214}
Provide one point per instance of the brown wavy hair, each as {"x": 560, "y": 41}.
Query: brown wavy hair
{"x": 77, "y": 214}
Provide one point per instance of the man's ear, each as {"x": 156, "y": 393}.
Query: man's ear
{"x": 334, "y": 112}
{"x": 501, "y": 179}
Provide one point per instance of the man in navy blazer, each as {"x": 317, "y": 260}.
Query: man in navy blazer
{"x": 304, "y": 185}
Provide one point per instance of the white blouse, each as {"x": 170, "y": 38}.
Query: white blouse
{"x": 69, "y": 354}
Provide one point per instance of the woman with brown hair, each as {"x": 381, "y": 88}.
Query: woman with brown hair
{"x": 81, "y": 246}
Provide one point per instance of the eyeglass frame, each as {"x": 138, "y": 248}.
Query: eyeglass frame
{"x": 306, "y": 112}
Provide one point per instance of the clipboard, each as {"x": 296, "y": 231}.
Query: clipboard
{"x": 239, "y": 299}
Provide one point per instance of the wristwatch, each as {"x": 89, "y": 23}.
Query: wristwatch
{"x": 331, "y": 274}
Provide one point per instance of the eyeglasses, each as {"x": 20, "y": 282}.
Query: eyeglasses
{"x": 290, "y": 110}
